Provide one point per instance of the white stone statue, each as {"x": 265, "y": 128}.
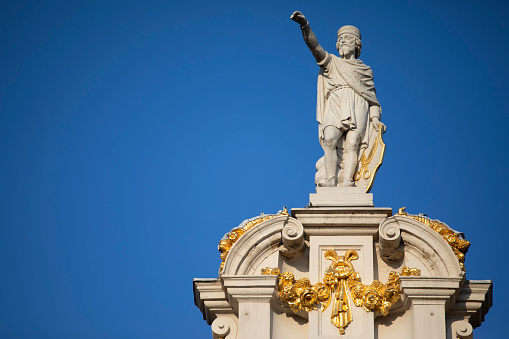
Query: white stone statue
{"x": 347, "y": 107}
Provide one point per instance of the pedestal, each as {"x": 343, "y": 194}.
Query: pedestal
{"x": 341, "y": 196}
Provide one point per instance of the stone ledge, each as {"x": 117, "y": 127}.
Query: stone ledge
{"x": 353, "y": 221}
{"x": 474, "y": 301}
{"x": 210, "y": 298}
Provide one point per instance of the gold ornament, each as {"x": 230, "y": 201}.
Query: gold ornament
{"x": 226, "y": 244}
{"x": 458, "y": 245}
{"x": 335, "y": 278}
{"x": 340, "y": 278}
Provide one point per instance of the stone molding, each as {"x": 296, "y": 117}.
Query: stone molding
{"x": 473, "y": 302}
{"x": 436, "y": 289}
{"x": 210, "y": 298}
{"x": 399, "y": 234}
{"x": 352, "y": 221}
{"x": 250, "y": 288}
{"x": 256, "y": 244}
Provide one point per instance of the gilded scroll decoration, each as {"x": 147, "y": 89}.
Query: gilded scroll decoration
{"x": 234, "y": 235}
{"x": 340, "y": 279}
{"x": 455, "y": 240}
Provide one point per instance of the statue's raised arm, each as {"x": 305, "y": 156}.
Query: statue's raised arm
{"x": 309, "y": 37}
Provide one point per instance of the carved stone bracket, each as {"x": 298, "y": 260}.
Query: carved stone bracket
{"x": 462, "y": 329}
{"x": 225, "y": 327}
{"x": 293, "y": 241}
{"x": 390, "y": 242}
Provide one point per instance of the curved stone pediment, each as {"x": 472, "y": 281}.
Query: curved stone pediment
{"x": 260, "y": 246}
{"x": 403, "y": 238}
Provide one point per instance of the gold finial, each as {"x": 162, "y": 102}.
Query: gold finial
{"x": 401, "y": 211}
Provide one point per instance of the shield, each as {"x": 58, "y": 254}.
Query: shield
{"x": 370, "y": 161}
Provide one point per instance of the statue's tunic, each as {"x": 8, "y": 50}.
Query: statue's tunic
{"x": 345, "y": 92}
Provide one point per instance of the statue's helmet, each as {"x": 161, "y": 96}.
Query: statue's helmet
{"x": 349, "y": 29}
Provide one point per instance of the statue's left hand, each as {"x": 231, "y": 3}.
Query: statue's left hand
{"x": 377, "y": 124}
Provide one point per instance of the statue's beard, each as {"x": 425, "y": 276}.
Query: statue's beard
{"x": 345, "y": 50}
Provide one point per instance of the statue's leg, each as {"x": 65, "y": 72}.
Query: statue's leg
{"x": 331, "y": 137}
{"x": 352, "y": 142}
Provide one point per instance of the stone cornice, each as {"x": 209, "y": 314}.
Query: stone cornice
{"x": 474, "y": 301}
{"x": 431, "y": 289}
{"x": 351, "y": 221}
{"x": 210, "y": 298}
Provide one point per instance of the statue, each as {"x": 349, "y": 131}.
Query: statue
{"x": 347, "y": 111}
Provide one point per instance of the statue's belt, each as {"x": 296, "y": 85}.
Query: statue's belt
{"x": 334, "y": 89}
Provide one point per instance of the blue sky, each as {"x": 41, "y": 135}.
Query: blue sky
{"x": 134, "y": 134}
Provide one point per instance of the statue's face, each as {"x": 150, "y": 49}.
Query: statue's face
{"x": 346, "y": 44}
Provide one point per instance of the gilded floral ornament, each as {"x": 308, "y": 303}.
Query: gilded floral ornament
{"x": 378, "y": 297}
{"x": 454, "y": 239}
{"x": 234, "y": 235}
{"x": 340, "y": 279}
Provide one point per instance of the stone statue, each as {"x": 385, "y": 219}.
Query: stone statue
{"x": 347, "y": 108}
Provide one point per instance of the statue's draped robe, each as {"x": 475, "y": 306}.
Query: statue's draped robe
{"x": 345, "y": 92}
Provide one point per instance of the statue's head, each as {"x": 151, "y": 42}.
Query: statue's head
{"x": 349, "y": 37}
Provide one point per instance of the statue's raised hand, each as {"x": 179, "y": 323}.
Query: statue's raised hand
{"x": 299, "y": 18}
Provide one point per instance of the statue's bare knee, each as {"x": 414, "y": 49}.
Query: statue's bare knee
{"x": 352, "y": 141}
{"x": 331, "y": 136}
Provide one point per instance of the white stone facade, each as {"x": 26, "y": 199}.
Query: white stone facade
{"x": 242, "y": 304}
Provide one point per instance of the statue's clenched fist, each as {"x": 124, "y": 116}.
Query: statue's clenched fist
{"x": 299, "y": 18}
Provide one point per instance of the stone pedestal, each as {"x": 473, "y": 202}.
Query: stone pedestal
{"x": 341, "y": 196}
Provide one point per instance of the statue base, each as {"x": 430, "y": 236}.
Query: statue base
{"x": 341, "y": 196}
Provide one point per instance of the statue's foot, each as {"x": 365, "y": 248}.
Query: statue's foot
{"x": 330, "y": 182}
{"x": 349, "y": 183}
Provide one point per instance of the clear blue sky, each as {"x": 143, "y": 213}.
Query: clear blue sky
{"x": 134, "y": 134}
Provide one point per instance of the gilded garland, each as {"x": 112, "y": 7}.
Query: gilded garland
{"x": 340, "y": 279}
{"x": 458, "y": 245}
{"x": 234, "y": 235}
